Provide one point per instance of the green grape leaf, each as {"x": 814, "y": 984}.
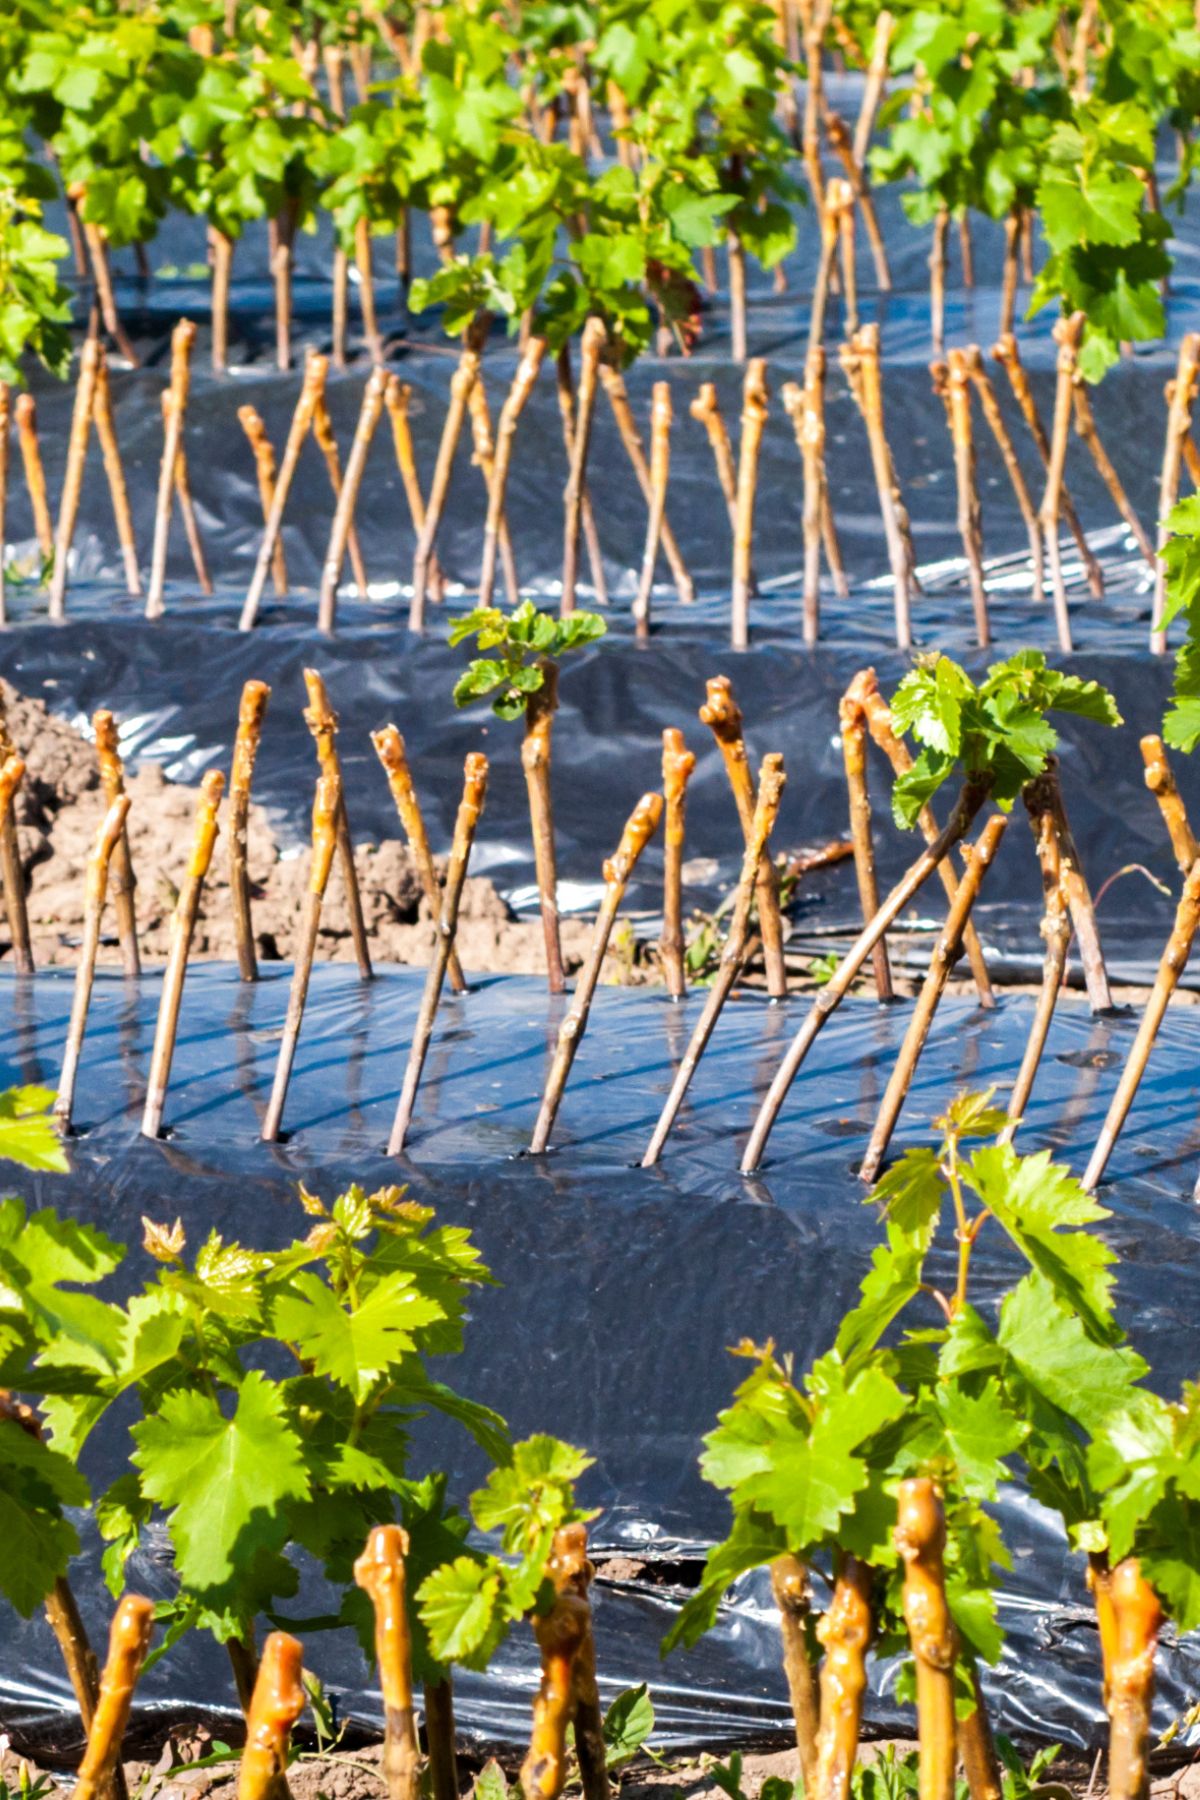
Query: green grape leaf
{"x": 223, "y": 1480}
{"x": 35, "y": 1484}
{"x": 355, "y": 1346}
{"x": 27, "y": 1131}
{"x": 1038, "y": 1202}
{"x": 1087, "y": 1381}
{"x": 461, "y": 1608}
{"x": 533, "y": 1494}
{"x": 981, "y": 1430}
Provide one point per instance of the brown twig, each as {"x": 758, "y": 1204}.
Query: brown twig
{"x": 754, "y": 420}
{"x": 128, "y": 1642}
{"x": 264, "y": 468}
{"x": 366, "y": 289}
{"x": 921, "y": 1541}
{"x": 314, "y": 380}
{"x": 565, "y": 390}
{"x": 958, "y": 397}
{"x": 77, "y": 443}
{"x": 1066, "y": 333}
{"x": 945, "y": 954}
{"x": 570, "y": 1557}
{"x": 872, "y": 94}
{"x": 566, "y": 1692}
{"x": 770, "y": 792}
{"x": 440, "y": 1738}
{"x": 251, "y": 712}
{"x": 640, "y": 828}
{"x": 1171, "y": 966}
{"x": 1056, "y": 934}
{"x": 830, "y": 232}
{"x": 540, "y": 707}
{"x": 389, "y": 747}
{"x": 816, "y": 23}
{"x": 974, "y": 792}
{"x": 591, "y": 348}
{"x": 1008, "y": 289}
{"x": 845, "y": 1631}
{"x": 35, "y": 475}
{"x": 843, "y": 192}
{"x": 183, "y": 925}
{"x": 804, "y": 407}
{"x": 1191, "y": 458}
{"x": 1083, "y": 912}
{"x": 706, "y": 409}
{"x": 221, "y": 256}
{"x": 990, "y": 405}
{"x": 677, "y": 765}
{"x": 792, "y": 1593}
{"x": 281, "y": 275}
{"x": 95, "y": 889}
{"x": 277, "y": 1703}
{"x": 515, "y": 400}
{"x": 123, "y": 880}
{"x": 10, "y": 851}
{"x": 843, "y": 149}
{"x": 396, "y": 397}
{"x": 853, "y": 726}
{"x": 814, "y": 442}
{"x": 326, "y": 806}
{"x": 343, "y": 518}
{"x": 106, "y": 432}
{"x": 660, "y": 469}
{"x": 187, "y": 509}
{"x": 977, "y": 1747}
{"x": 475, "y": 775}
{"x": 937, "y": 280}
{"x": 722, "y": 714}
{"x": 339, "y": 304}
{"x": 966, "y": 249}
{"x": 1137, "y": 1619}
{"x": 381, "y": 1573}
{"x": 1161, "y": 782}
{"x": 465, "y": 376}
{"x": 97, "y": 248}
{"x": 1181, "y": 396}
{"x": 860, "y": 362}
{"x": 65, "y": 1621}
{"x": 735, "y": 254}
{"x": 322, "y": 430}
{"x": 1005, "y": 352}
{"x": 1089, "y": 431}
{"x": 322, "y": 722}
{"x": 484, "y": 458}
{"x": 879, "y": 724}
{"x": 613, "y": 383}
{"x": 182, "y": 339}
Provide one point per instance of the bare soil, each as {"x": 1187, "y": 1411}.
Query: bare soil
{"x": 59, "y": 809}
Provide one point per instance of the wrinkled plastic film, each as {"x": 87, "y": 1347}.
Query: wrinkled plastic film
{"x": 656, "y": 1271}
